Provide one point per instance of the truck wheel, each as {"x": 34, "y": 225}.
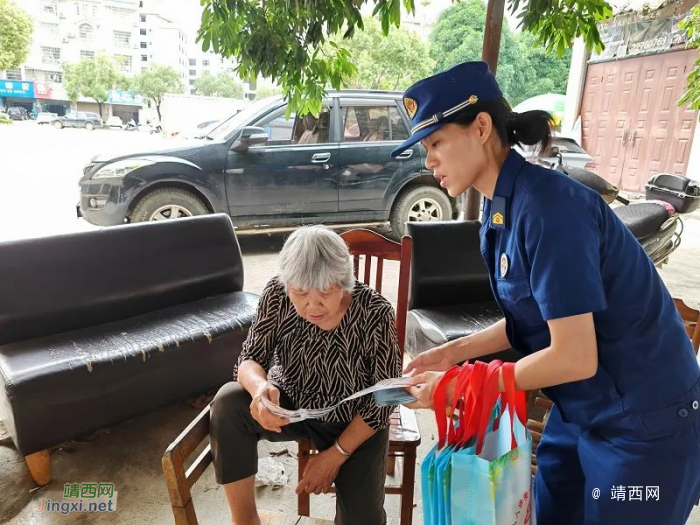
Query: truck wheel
{"x": 57, "y": 124}
{"x": 168, "y": 203}
{"x": 423, "y": 203}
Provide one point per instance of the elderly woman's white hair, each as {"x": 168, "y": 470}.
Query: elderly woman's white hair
{"x": 316, "y": 258}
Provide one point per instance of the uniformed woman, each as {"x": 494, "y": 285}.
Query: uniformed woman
{"x": 581, "y": 300}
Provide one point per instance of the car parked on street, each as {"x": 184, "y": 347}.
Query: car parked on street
{"x": 18, "y": 113}
{"x": 78, "y": 119}
{"x": 46, "y": 117}
{"x": 266, "y": 170}
{"x": 115, "y": 122}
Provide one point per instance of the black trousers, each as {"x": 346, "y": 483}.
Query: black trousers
{"x": 234, "y": 436}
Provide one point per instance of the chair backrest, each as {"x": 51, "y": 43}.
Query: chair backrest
{"x": 369, "y": 244}
{"x": 447, "y": 266}
{"x": 66, "y": 282}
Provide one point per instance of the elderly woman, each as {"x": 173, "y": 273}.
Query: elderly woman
{"x": 318, "y": 336}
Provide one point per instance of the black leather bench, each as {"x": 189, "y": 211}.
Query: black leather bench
{"x": 101, "y": 326}
{"x": 450, "y": 295}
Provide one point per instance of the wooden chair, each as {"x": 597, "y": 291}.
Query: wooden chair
{"x": 691, "y": 319}
{"x": 180, "y": 481}
{"x": 404, "y": 436}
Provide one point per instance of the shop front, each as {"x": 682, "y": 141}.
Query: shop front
{"x": 51, "y": 98}
{"x": 125, "y": 104}
{"x": 17, "y": 93}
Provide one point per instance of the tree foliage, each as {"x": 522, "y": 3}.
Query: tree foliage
{"x": 155, "y": 82}
{"x": 525, "y": 68}
{"x": 691, "y": 25}
{"x": 16, "y": 30}
{"x": 221, "y": 85}
{"x": 286, "y": 40}
{"x": 393, "y": 62}
{"x": 93, "y": 78}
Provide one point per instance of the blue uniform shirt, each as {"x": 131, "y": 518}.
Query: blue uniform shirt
{"x": 555, "y": 249}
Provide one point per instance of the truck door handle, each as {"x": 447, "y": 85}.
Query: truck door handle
{"x": 320, "y": 158}
{"x": 405, "y": 155}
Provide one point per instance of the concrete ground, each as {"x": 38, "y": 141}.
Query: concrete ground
{"x": 129, "y": 454}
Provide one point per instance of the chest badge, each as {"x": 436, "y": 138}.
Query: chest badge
{"x": 504, "y": 264}
{"x": 497, "y": 219}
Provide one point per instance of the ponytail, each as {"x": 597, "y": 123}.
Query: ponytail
{"x": 530, "y": 128}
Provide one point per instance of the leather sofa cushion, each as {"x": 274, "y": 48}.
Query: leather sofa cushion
{"x": 428, "y": 328}
{"x": 66, "y": 282}
{"x": 61, "y": 386}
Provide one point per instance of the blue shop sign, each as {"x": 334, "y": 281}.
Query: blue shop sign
{"x": 120, "y": 96}
{"x": 16, "y": 88}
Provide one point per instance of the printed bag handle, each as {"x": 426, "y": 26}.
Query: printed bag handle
{"x": 454, "y": 436}
{"x": 440, "y": 404}
{"x": 514, "y": 398}
{"x": 489, "y": 397}
{"x": 471, "y": 405}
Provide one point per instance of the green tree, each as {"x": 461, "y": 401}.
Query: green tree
{"x": 94, "y": 78}
{"x": 551, "y": 71}
{"x": 525, "y": 67}
{"x": 16, "y": 30}
{"x": 221, "y": 85}
{"x": 205, "y": 84}
{"x": 457, "y": 37}
{"x": 155, "y": 81}
{"x": 393, "y": 62}
{"x": 286, "y": 41}
{"x": 691, "y": 25}
{"x": 267, "y": 91}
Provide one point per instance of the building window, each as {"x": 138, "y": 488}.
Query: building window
{"x": 144, "y": 45}
{"x": 85, "y": 31}
{"x": 144, "y": 58}
{"x": 54, "y": 77}
{"x": 14, "y": 74}
{"x": 141, "y": 3}
{"x": 77, "y": 9}
{"x": 124, "y": 62}
{"x": 49, "y": 30}
{"x": 87, "y": 54}
{"x": 143, "y": 18}
{"x": 193, "y": 72}
{"x": 50, "y": 7}
{"x": 192, "y": 81}
{"x": 50, "y": 55}
{"x": 123, "y": 13}
{"x": 205, "y": 63}
{"x": 193, "y": 61}
{"x": 142, "y": 32}
{"x": 122, "y": 39}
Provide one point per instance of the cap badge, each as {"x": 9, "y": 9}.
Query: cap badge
{"x": 411, "y": 106}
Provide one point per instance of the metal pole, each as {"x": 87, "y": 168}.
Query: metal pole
{"x": 489, "y": 54}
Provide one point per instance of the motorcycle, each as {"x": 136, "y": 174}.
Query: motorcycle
{"x": 656, "y": 223}
{"x": 148, "y": 126}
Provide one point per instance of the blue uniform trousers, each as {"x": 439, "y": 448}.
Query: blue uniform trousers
{"x": 652, "y": 461}
{"x": 598, "y": 476}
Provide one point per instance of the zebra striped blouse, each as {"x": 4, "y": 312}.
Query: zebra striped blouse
{"x": 318, "y": 368}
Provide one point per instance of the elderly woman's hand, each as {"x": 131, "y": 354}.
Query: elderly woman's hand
{"x": 261, "y": 414}
{"x": 320, "y": 472}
